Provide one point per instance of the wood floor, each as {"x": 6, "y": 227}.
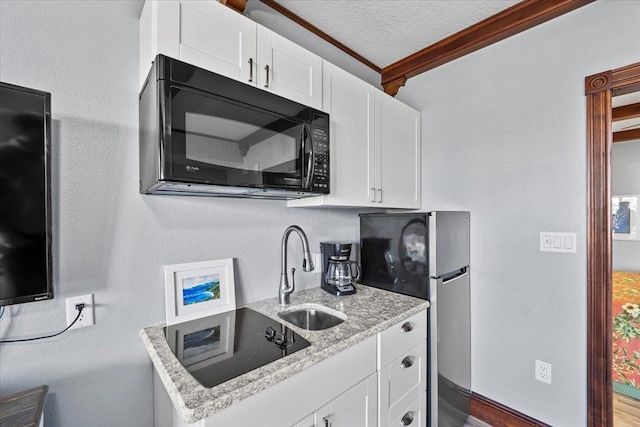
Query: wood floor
{"x": 626, "y": 411}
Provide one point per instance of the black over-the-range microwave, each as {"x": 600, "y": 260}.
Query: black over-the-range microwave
{"x": 205, "y": 134}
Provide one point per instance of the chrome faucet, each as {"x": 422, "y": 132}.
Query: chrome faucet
{"x": 307, "y": 265}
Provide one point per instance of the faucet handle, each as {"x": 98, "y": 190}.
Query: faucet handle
{"x": 270, "y": 333}
{"x": 293, "y": 279}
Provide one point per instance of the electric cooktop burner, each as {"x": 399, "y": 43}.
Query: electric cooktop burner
{"x": 215, "y": 349}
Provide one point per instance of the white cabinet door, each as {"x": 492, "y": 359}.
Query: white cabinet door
{"x": 374, "y": 146}
{"x": 355, "y": 408}
{"x": 308, "y": 421}
{"x": 214, "y": 37}
{"x": 398, "y": 145}
{"x": 288, "y": 70}
{"x": 349, "y": 102}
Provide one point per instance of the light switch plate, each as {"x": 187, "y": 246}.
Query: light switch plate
{"x": 557, "y": 242}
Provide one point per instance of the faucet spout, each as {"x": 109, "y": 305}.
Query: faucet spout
{"x": 307, "y": 264}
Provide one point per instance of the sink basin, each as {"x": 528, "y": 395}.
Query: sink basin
{"x": 312, "y": 317}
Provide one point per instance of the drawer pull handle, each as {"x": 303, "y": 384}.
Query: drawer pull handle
{"x": 407, "y": 419}
{"x": 250, "y": 69}
{"x": 407, "y": 362}
{"x": 407, "y": 327}
{"x": 327, "y": 421}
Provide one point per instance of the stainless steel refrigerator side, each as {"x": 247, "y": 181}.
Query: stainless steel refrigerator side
{"x": 449, "y": 242}
{"x": 433, "y": 352}
{"x": 449, "y": 317}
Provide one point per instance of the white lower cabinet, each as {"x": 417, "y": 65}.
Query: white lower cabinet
{"x": 401, "y": 383}
{"x": 414, "y": 415}
{"x": 378, "y": 382}
{"x": 402, "y": 373}
{"x": 357, "y": 407}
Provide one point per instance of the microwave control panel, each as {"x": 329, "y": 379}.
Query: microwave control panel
{"x": 320, "y": 139}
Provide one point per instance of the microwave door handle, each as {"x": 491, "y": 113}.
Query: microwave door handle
{"x": 306, "y": 135}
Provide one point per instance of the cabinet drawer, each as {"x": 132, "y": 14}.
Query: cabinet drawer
{"x": 401, "y": 382}
{"x": 415, "y": 415}
{"x": 401, "y": 337}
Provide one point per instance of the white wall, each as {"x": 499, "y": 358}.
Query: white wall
{"x": 108, "y": 239}
{"x": 504, "y": 136}
{"x": 625, "y": 179}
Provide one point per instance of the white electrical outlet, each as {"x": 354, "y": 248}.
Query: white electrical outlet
{"x": 317, "y": 263}
{"x": 543, "y": 371}
{"x": 86, "y": 317}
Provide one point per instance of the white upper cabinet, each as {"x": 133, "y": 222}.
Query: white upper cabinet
{"x": 288, "y": 70}
{"x": 397, "y": 139}
{"x": 374, "y": 146}
{"x": 349, "y": 102}
{"x": 212, "y": 36}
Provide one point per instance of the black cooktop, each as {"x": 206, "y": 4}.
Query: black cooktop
{"x": 217, "y": 348}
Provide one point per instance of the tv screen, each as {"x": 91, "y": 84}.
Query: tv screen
{"x": 25, "y": 196}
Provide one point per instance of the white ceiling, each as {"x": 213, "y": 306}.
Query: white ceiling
{"x": 385, "y": 31}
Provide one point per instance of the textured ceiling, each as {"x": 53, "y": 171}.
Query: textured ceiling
{"x": 385, "y": 31}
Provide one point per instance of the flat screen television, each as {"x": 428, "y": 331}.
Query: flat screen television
{"x": 25, "y": 195}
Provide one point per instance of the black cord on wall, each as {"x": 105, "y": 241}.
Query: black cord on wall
{"x": 79, "y": 307}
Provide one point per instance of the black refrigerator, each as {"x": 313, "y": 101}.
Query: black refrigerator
{"x": 426, "y": 255}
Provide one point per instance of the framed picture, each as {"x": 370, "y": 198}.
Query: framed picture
{"x": 203, "y": 342}
{"x": 624, "y": 221}
{"x": 199, "y": 289}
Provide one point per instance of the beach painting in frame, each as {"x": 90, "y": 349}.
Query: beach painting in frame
{"x": 199, "y": 289}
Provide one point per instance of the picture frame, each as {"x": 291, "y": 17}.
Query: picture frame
{"x": 202, "y": 342}
{"x": 624, "y": 217}
{"x": 198, "y": 289}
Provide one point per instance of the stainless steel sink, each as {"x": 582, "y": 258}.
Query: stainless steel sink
{"x": 312, "y": 318}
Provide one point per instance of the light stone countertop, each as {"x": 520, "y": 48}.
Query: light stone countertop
{"x": 369, "y": 311}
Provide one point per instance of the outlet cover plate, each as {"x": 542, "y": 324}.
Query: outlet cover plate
{"x": 86, "y": 317}
{"x": 543, "y": 371}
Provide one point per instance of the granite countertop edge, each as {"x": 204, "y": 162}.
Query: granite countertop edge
{"x": 195, "y": 402}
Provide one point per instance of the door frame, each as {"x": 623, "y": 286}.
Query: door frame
{"x": 599, "y": 90}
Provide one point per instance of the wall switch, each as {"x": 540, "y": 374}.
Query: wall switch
{"x": 543, "y": 372}
{"x": 317, "y": 263}
{"x": 557, "y": 242}
{"x": 86, "y": 317}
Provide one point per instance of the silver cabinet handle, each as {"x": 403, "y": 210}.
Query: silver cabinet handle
{"x": 380, "y": 198}
{"x": 266, "y": 67}
{"x": 407, "y": 327}
{"x": 407, "y": 419}
{"x": 327, "y": 421}
{"x": 373, "y": 190}
{"x": 250, "y": 69}
{"x": 407, "y": 362}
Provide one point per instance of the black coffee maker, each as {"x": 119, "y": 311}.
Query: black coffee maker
{"x": 337, "y": 269}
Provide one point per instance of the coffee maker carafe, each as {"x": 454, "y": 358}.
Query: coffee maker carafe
{"x": 338, "y": 270}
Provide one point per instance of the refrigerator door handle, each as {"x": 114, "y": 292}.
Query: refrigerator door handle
{"x": 454, "y": 275}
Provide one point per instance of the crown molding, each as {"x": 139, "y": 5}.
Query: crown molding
{"x": 318, "y": 32}
{"x": 511, "y": 21}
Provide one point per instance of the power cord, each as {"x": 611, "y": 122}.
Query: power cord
{"x": 79, "y": 307}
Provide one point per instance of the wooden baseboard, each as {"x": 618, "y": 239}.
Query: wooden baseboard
{"x": 498, "y": 415}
